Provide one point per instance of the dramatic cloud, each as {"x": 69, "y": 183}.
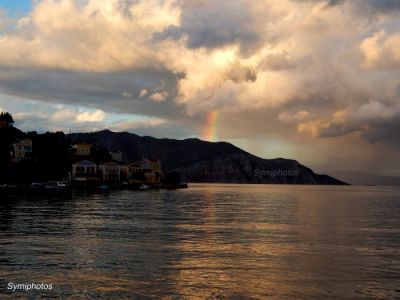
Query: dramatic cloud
{"x": 374, "y": 120}
{"x": 43, "y": 117}
{"x": 214, "y": 24}
{"x": 382, "y": 51}
{"x": 87, "y": 35}
{"x": 294, "y": 69}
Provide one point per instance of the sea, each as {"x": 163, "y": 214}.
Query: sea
{"x": 210, "y": 241}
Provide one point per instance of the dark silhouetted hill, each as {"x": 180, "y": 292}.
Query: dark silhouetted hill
{"x": 201, "y": 161}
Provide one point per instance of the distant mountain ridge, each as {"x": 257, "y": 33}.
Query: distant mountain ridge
{"x": 202, "y": 161}
{"x": 360, "y": 178}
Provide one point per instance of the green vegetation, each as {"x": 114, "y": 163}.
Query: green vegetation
{"x": 7, "y": 119}
{"x": 50, "y": 159}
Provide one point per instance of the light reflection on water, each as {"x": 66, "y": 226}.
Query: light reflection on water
{"x": 210, "y": 241}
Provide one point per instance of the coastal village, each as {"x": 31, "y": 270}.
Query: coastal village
{"x": 88, "y": 166}
{"x": 85, "y": 171}
{"x": 145, "y": 171}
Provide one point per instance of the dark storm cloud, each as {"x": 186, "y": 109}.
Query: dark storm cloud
{"x": 375, "y": 121}
{"x": 365, "y": 6}
{"x": 381, "y": 5}
{"x": 374, "y": 132}
{"x": 328, "y": 2}
{"x": 384, "y": 131}
{"x": 212, "y": 24}
{"x": 117, "y": 91}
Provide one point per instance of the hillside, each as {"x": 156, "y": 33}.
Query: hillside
{"x": 201, "y": 161}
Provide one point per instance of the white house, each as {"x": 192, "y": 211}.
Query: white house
{"x": 110, "y": 172}
{"x": 84, "y": 170}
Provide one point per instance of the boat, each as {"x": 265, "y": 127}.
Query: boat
{"x": 62, "y": 184}
{"x": 51, "y": 185}
{"x": 144, "y": 187}
{"x": 37, "y": 185}
{"x": 182, "y": 185}
{"x": 8, "y": 186}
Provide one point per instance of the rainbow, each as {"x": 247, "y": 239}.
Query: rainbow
{"x": 210, "y": 132}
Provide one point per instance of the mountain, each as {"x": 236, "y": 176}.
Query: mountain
{"x": 201, "y": 161}
{"x": 360, "y": 178}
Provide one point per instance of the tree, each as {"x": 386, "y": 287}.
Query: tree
{"x": 7, "y": 118}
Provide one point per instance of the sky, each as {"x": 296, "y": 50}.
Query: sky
{"x": 316, "y": 81}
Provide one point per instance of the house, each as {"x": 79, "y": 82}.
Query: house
{"x": 152, "y": 170}
{"x": 110, "y": 172}
{"x": 116, "y": 156}
{"x": 82, "y": 149}
{"x": 133, "y": 173}
{"x": 142, "y": 172}
{"x": 22, "y": 150}
{"x": 84, "y": 170}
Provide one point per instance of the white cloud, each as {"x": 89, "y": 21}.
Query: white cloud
{"x": 141, "y": 124}
{"x": 64, "y": 115}
{"x": 87, "y": 36}
{"x": 382, "y": 51}
{"x": 127, "y": 94}
{"x": 143, "y": 93}
{"x": 96, "y": 116}
{"x": 159, "y": 97}
{"x": 75, "y": 115}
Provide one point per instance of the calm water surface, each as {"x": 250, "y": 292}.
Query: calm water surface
{"x": 209, "y": 241}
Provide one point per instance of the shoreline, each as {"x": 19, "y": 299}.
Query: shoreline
{"x": 99, "y": 187}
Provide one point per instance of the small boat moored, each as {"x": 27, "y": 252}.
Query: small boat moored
{"x": 144, "y": 187}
